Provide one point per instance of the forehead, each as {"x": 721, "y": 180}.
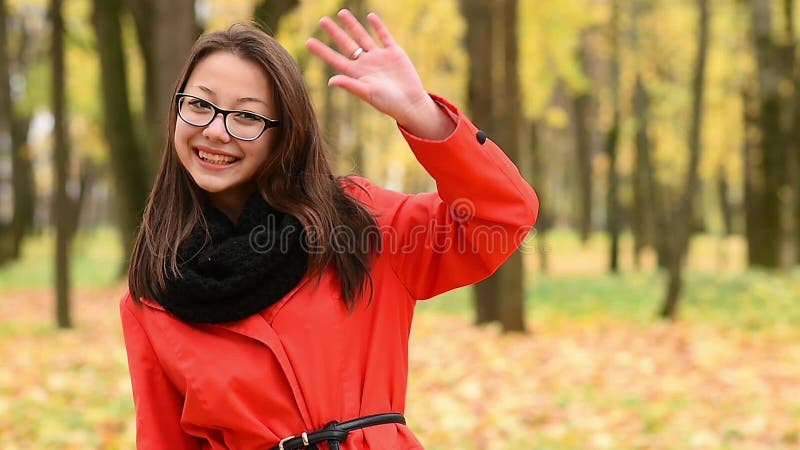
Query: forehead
{"x": 227, "y": 76}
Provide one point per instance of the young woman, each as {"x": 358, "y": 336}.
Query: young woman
{"x": 270, "y": 301}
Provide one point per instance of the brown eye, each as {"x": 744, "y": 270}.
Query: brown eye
{"x": 199, "y": 105}
{"x": 247, "y": 116}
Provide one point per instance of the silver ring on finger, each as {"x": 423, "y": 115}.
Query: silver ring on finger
{"x": 357, "y": 53}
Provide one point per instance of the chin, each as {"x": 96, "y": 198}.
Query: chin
{"x": 212, "y": 188}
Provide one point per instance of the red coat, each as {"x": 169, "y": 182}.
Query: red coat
{"x": 305, "y": 361}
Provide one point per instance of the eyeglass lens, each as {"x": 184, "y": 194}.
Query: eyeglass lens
{"x": 240, "y": 124}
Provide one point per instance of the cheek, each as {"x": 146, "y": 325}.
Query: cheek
{"x": 261, "y": 151}
{"x": 182, "y": 147}
{"x": 182, "y": 136}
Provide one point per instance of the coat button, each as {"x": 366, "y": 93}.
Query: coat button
{"x": 481, "y": 136}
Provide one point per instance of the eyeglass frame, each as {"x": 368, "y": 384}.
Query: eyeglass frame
{"x": 268, "y": 123}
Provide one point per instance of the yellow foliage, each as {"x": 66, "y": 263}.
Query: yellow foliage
{"x": 656, "y": 41}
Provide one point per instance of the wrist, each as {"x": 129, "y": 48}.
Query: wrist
{"x": 428, "y": 120}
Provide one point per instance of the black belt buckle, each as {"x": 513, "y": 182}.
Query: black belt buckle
{"x": 305, "y": 440}
{"x": 336, "y": 432}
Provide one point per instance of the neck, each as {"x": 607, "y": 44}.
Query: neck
{"x": 232, "y": 203}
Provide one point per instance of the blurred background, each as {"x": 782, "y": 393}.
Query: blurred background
{"x": 655, "y": 305}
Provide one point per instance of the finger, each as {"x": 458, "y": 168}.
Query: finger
{"x": 328, "y": 55}
{"x": 380, "y": 29}
{"x": 352, "y": 85}
{"x": 342, "y": 40}
{"x": 357, "y": 31}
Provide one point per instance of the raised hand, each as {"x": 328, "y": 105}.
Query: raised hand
{"x": 381, "y": 75}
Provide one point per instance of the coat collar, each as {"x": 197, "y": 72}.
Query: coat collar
{"x": 244, "y": 326}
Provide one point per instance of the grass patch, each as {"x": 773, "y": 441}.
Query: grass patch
{"x": 577, "y": 286}
{"x": 96, "y": 261}
{"x": 752, "y": 299}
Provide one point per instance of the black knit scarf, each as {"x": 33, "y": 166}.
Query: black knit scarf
{"x": 243, "y": 267}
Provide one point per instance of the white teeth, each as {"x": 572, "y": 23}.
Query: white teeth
{"x": 216, "y": 159}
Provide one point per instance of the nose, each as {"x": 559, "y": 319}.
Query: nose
{"x": 216, "y": 130}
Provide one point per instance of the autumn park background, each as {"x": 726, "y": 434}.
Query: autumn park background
{"x": 655, "y": 305}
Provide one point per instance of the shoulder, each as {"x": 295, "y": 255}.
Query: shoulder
{"x": 126, "y": 302}
{"x": 376, "y": 198}
{"x": 355, "y": 186}
{"x": 131, "y": 309}
{"x": 364, "y": 191}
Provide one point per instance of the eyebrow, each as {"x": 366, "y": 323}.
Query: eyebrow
{"x": 241, "y": 100}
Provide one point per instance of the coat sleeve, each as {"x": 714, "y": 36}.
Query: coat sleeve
{"x": 158, "y": 403}
{"x": 482, "y": 211}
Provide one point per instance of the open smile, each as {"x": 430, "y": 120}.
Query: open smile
{"x": 215, "y": 160}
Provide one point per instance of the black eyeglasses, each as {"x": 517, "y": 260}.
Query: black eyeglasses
{"x": 243, "y": 125}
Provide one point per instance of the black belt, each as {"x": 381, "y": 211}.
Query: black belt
{"x": 337, "y": 432}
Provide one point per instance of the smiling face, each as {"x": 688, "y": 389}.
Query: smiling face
{"x": 220, "y": 164}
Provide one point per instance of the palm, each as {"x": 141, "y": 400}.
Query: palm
{"x": 382, "y": 76}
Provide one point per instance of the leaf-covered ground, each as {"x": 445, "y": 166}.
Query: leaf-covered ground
{"x": 581, "y": 381}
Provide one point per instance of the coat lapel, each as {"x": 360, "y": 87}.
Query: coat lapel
{"x": 258, "y": 327}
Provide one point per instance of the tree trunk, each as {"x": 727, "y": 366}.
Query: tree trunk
{"x": 644, "y": 175}
{"x": 62, "y": 204}
{"x": 174, "y": 31}
{"x": 268, "y": 13}
{"x": 682, "y": 224}
{"x": 478, "y": 41}
{"x": 582, "y": 117}
{"x": 612, "y": 200}
{"x": 765, "y": 235}
{"x": 127, "y": 160}
{"x": 753, "y": 176}
{"x": 787, "y": 60}
{"x": 537, "y": 171}
{"x": 726, "y": 209}
{"x": 645, "y": 203}
{"x": 331, "y": 111}
{"x": 726, "y": 212}
{"x": 22, "y": 160}
{"x": 612, "y": 197}
{"x": 166, "y": 31}
{"x": 6, "y": 114}
{"x": 23, "y": 182}
{"x": 793, "y": 128}
{"x": 356, "y": 106}
{"x": 330, "y": 119}
{"x": 794, "y": 162}
{"x": 355, "y": 129}
{"x": 512, "y": 299}
{"x": 13, "y": 135}
{"x": 583, "y": 149}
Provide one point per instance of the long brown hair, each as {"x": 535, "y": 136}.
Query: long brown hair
{"x": 296, "y": 179}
